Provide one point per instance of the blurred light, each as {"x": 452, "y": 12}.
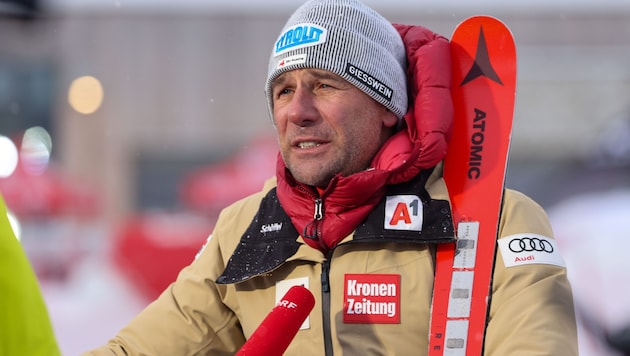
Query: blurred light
{"x": 15, "y": 225}
{"x": 8, "y": 157}
{"x": 35, "y": 150}
{"x": 85, "y": 94}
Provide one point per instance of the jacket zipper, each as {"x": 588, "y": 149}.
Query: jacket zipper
{"x": 318, "y": 216}
{"x": 328, "y": 350}
{"x": 314, "y": 226}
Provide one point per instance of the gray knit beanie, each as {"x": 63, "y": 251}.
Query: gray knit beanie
{"x": 347, "y": 38}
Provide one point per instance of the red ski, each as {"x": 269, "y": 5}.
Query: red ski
{"x": 483, "y": 89}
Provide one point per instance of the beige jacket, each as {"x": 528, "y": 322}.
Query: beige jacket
{"x": 531, "y": 311}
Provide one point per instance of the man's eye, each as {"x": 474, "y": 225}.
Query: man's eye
{"x": 282, "y": 92}
{"x": 327, "y": 86}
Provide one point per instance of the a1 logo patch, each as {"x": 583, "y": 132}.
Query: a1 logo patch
{"x": 403, "y": 212}
{"x": 371, "y": 299}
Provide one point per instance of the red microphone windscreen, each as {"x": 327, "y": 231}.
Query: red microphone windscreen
{"x": 274, "y": 334}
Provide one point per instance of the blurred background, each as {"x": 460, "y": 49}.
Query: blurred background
{"x": 126, "y": 125}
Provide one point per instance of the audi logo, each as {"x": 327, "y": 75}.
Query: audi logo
{"x": 530, "y": 244}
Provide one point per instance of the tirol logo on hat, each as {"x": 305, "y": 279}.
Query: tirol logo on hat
{"x": 298, "y": 36}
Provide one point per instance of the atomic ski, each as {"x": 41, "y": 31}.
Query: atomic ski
{"x": 483, "y": 90}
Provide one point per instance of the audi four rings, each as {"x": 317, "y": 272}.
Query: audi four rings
{"x": 530, "y": 244}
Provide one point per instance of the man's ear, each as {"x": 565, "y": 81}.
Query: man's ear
{"x": 390, "y": 119}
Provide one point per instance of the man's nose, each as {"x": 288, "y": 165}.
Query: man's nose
{"x": 302, "y": 110}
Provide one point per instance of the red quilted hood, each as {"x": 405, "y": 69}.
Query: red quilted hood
{"x": 420, "y": 144}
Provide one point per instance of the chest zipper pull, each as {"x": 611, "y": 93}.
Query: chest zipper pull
{"x": 318, "y": 209}
{"x": 313, "y": 225}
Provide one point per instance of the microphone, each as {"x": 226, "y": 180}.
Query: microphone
{"x": 274, "y": 334}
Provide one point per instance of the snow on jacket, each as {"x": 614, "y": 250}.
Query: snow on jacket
{"x": 214, "y": 305}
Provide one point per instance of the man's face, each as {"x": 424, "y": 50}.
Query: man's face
{"x": 326, "y": 125}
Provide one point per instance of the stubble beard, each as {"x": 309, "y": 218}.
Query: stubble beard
{"x": 320, "y": 176}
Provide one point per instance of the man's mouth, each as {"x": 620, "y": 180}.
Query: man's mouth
{"x": 308, "y": 144}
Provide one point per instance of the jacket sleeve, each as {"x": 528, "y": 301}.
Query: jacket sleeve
{"x": 188, "y": 318}
{"x": 531, "y": 311}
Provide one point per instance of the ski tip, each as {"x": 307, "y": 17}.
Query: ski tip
{"x": 482, "y": 19}
{"x": 486, "y": 21}
{"x": 469, "y": 31}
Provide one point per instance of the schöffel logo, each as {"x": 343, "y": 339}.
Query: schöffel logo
{"x": 376, "y": 85}
{"x": 298, "y": 36}
{"x": 271, "y": 227}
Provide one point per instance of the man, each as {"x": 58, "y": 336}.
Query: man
{"x": 350, "y": 149}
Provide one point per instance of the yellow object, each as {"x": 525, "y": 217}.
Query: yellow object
{"x": 25, "y": 327}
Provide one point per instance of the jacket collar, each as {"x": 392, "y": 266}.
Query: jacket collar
{"x": 271, "y": 239}
{"x": 343, "y": 204}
